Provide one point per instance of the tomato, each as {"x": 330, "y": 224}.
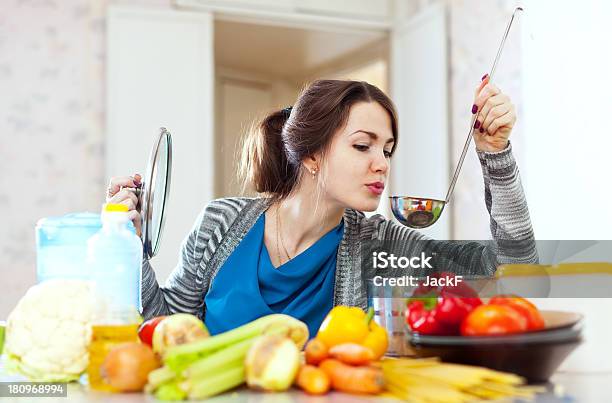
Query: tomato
{"x": 493, "y": 320}
{"x": 522, "y": 306}
{"x": 145, "y": 331}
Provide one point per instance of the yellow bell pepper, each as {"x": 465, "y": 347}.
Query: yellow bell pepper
{"x": 376, "y": 340}
{"x": 345, "y": 324}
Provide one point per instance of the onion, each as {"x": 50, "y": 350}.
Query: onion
{"x": 127, "y": 366}
{"x": 272, "y": 363}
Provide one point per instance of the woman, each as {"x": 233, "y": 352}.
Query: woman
{"x": 296, "y": 250}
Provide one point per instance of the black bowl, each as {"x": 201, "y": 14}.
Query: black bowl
{"x": 533, "y": 355}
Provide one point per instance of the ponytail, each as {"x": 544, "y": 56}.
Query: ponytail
{"x": 264, "y": 162}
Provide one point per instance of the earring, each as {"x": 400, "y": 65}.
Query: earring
{"x": 313, "y": 172}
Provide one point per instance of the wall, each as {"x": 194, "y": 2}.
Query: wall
{"x": 567, "y": 85}
{"x": 476, "y": 29}
{"x": 51, "y": 124}
{"x": 52, "y": 75}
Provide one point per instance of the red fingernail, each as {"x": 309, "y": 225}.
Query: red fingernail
{"x": 483, "y": 77}
{"x": 474, "y": 109}
{"x": 477, "y": 124}
{"x": 481, "y": 130}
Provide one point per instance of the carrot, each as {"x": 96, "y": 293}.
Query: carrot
{"x": 346, "y": 378}
{"x": 352, "y": 353}
{"x": 315, "y": 351}
{"x": 313, "y": 380}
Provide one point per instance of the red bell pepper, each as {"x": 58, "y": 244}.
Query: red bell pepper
{"x": 422, "y": 319}
{"x": 440, "y": 311}
{"x": 452, "y": 310}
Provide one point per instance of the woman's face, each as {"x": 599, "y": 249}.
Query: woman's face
{"x": 356, "y": 168}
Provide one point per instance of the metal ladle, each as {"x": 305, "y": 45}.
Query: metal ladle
{"x": 419, "y": 212}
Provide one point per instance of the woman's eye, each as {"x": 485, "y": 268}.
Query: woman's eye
{"x": 363, "y": 147}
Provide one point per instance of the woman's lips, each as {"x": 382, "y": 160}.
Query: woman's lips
{"x": 377, "y": 188}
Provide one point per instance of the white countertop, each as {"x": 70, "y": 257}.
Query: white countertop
{"x": 564, "y": 387}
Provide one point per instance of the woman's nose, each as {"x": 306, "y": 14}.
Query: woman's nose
{"x": 380, "y": 164}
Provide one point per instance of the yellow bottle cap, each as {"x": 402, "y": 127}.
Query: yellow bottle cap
{"x": 111, "y": 207}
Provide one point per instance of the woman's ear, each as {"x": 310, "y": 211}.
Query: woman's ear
{"x": 312, "y": 163}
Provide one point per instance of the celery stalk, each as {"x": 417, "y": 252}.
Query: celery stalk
{"x": 210, "y": 344}
{"x": 160, "y": 376}
{"x": 229, "y": 354}
{"x": 212, "y": 371}
{"x": 178, "y": 358}
{"x": 218, "y": 359}
{"x": 213, "y": 385}
{"x": 170, "y": 391}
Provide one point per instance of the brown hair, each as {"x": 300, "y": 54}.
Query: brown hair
{"x": 273, "y": 152}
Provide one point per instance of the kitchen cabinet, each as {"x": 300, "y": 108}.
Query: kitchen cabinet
{"x": 419, "y": 63}
{"x": 153, "y": 82}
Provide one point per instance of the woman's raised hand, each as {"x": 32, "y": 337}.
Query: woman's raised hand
{"x": 121, "y": 191}
{"x": 495, "y": 119}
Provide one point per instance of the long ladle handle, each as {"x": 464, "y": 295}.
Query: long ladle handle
{"x": 469, "y": 137}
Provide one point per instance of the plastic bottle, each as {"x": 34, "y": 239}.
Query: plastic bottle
{"x": 114, "y": 256}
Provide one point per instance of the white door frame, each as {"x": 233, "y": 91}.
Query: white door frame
{"x": 284, "y": 15}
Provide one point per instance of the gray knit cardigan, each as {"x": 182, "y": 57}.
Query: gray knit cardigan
{"x": 223, "y": 223}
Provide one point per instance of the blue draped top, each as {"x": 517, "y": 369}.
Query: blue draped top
{"x": 248, "y": 286}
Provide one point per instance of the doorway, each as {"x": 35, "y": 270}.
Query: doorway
{"x": 260, "y": 68}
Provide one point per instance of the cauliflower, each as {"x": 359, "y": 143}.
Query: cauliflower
{"x": 48, "y": 332}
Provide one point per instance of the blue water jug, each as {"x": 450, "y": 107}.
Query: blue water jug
{"x": 61, "y": 245}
